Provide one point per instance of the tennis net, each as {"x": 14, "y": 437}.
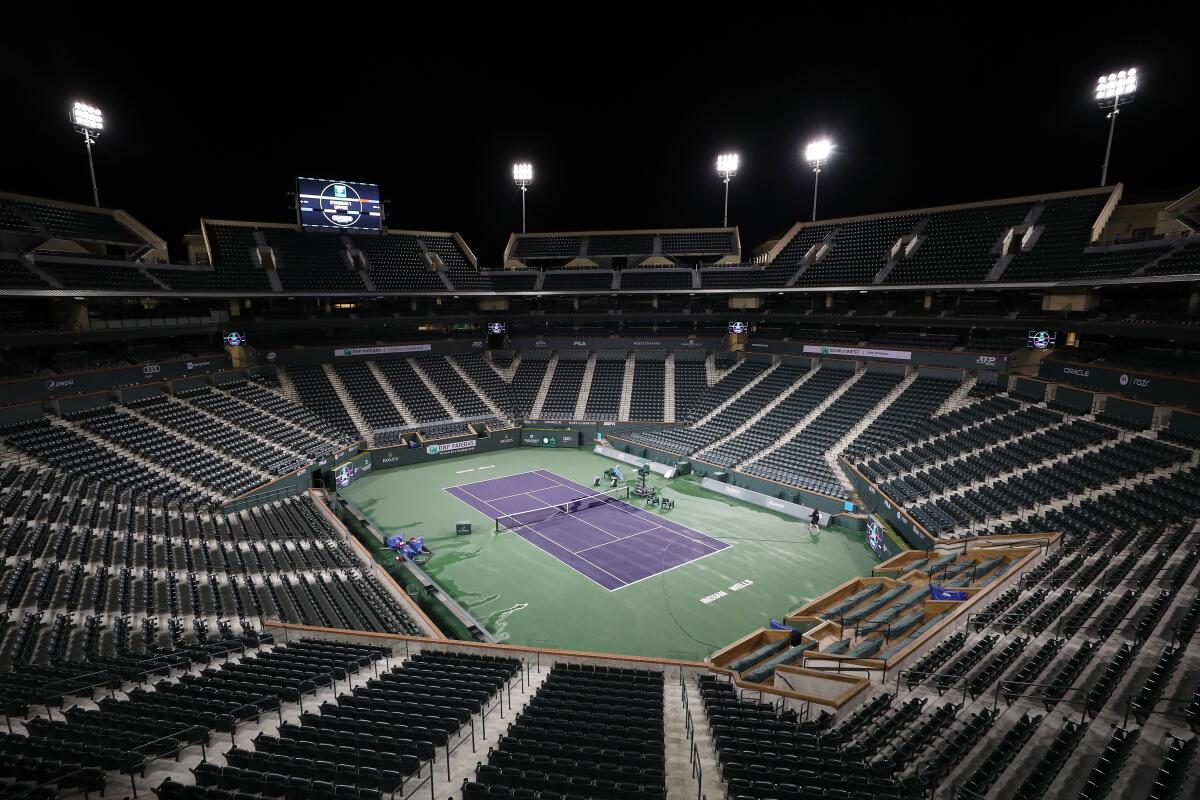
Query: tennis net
{"x": 522, "y": 519}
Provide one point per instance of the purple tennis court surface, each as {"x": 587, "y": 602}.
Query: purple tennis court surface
{"x": 614, "y": 544}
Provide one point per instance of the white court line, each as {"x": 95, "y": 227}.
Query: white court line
{"x": 491, "y": 505}
{"x": 677, "y": 566}
{"x": 547, "y": 538}
{"x": 515, "y": 474}
{"x": 618, "y": 539}
{"x": 487, "y": 466}
{"x": 555, "y": 543}
{"x": 581, "y": 558}
{"x": 477, "y": 497}
{"x": 461, "y": 471}
{"x": 579, "y": 516}
{"x": 505, "y": 497}
{"x": 641, "y": 514}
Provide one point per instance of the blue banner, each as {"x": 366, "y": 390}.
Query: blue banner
{"x": 946, "y": 594}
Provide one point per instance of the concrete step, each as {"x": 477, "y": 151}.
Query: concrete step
{"x": 733, "y": 398}
{"x": 808, "y": 418}
{"x": 669, "y": 388}
{"x": 753, "y": 420}
{"x": 831, "y": 456}
{"x": 356, "y": 415}
{"x": 585, "y": 387}
{"x": 483, "y": 398}
{"x": 451, "y": 412}
{"x": 390, "y": 392}
{"x": 540, "y": 398}
{"x": 627, "y": 388}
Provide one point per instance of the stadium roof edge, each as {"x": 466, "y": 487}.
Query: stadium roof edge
{"x": 512, "y": 237}
{"x": 782, "y": 241}
{"x": 621, "y": 232}
{"x": 293, "y": 226}
{"x": 1189, "y": 200}
{"x": 1079, "y": 283}
{"x": 132, "y": 223}
{"x": 28, "y": 198}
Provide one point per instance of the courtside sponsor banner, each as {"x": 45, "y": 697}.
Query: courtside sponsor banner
{"x": 379, "y": 351}
{"x": 661, "y": 469}
{"x": 451, "y": 447}
{"x": 765, "y": 501}
{"x": 857, "y": 352}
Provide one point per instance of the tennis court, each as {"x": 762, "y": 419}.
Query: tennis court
{"x": 609, "y": 541}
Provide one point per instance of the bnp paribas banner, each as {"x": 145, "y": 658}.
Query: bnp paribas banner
{"x": 350, "y": 352}
{"x": 448, "y": 448}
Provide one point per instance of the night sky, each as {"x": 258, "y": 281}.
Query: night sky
{"x": 622, "y": 120}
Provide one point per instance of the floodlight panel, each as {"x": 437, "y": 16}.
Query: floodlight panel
{"x": 727, "y": 163}
{"x": 1117, "y": 84}
{"x": 86, "y": 116}
{"x": 818, "y": 150}
{"x": 523, "y": 172}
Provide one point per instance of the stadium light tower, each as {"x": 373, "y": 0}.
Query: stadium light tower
{"x": 523, "y": 176}
{"x": 727, "y": 167}
{"x": 1113, "y": 91}
{"x": 816, "y": 154}
{"x": 89, "y": 121}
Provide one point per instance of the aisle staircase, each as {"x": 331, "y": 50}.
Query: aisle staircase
{"x": 356, "y": 415}
{"x": 626, "y": 388}
{"x": 451, "y": 413}
{"x": 389, "y": 391}
{"x": 758, "y": 415}
{"x": 733, "y": 398}
{"x": 808, "y": 418}
{"x": 669, "y": 388}
{"x": 540, "y": 398}
{"x": 831, "y": 456}
{"x": 585, "y": 387}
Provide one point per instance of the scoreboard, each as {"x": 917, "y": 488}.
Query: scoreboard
{"x": 324, "y": 203}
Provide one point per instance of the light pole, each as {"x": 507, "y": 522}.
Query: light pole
{"x": 1113, "y": 91}
{"x": 523, "y": 176}
{"x": 89, "y": 121}
{"x": 727, "y": 167}
{"x": 816, "y": 154}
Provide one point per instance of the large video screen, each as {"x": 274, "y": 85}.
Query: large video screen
{"x": 338, "y": 204}
{"x": 496, "y": 333}
{"x": 347, "y": 472}
{"x": 875, "y": 539}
